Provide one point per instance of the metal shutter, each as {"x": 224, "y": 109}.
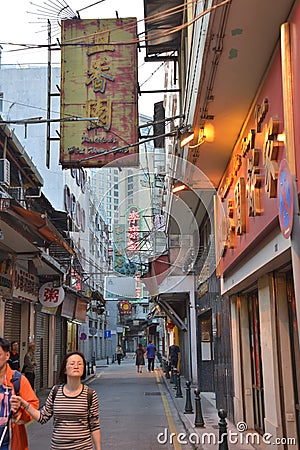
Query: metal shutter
{"x": 12, "y": 324}
{"x": 42, "y": 350}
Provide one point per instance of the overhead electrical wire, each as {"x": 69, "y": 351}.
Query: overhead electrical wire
{"x": 148, "y": 19}
{"x": 126, "y": 27}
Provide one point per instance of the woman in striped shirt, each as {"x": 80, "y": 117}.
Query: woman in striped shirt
{"x": 73, "y": 406}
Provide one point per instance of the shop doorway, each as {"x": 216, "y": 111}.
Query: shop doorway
{"x": 256, "y": 363}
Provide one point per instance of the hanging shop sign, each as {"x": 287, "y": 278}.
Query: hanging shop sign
{"x": 121, "y": 263}
{"x": 124, "y": 307}
{"x": 6, "y": 270}
{"x": 51, "y": 296}
{"x": 133, "y": 232}
{"x": 99, "y": 84}
{"x": 26, "y": 286}
{"x": 68, "y": 306}
{"x": 80, "y": 310}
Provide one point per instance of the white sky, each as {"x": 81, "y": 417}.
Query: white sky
{"x": 24, "y": 21}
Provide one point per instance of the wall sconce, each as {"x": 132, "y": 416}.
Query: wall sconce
{"x": 179, "y": 186}
{"x": 281, "y": 137}
{"x": 186, "y": 137}
{"x": 206, "y": 134}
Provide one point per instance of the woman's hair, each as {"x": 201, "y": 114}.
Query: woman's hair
{"x": 62, "y": 375}
{"x": 140, "y": 345}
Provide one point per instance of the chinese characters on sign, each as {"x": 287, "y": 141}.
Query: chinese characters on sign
{"x": 247, "y": 196}
{"x": 99, "y": 84}
{"x": 26, "y": 285}
{"x": 126, "y": 246}
{"x": 133, "y": 232}
{"x": 51, "y": 296}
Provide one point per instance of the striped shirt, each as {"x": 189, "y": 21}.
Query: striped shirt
{"x": 73, "y": 420}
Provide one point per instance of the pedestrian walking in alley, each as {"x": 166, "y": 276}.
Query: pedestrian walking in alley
{"x": 30, "y": 364}
{"x": 174, "y": 356}
{"x": 119, "y": 353}
{"x": 13, "y": 418}
{"x": 74, "y": 407}
{"x": 14, "y": 357}
{"x": 150, "y": 355}
{"x": 139, "y": 358}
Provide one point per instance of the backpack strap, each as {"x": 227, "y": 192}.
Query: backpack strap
{"x": 54, "y": 392}
{"x": 16, "y": 381}
{"x": 90, "y": 398}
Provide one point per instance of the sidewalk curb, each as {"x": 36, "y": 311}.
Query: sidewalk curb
{"x": 211, "y": 420}
{"x": 183, "y": 417}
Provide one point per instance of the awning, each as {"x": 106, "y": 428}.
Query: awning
{"x": 38, "y": 223}
{"x": 161, "y": 21}
{"x": 159, "y": 269}
{"x": 96, "y": 295}
{"x": 171, "y": 313}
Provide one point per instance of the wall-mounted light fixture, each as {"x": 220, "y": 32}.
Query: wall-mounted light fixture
{"x": 179, "y": 186}
{"x": 186, "y": 137}
{"x": 281, "y": 137}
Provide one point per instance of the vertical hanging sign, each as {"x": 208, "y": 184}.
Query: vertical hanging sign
{"x": 99, "y": 118}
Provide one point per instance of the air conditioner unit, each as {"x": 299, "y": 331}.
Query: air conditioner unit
{"x": 4, "y": 172}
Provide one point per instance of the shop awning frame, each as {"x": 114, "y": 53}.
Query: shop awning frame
{"x": 171, "y": 313}
{"x": 39, "y": 224}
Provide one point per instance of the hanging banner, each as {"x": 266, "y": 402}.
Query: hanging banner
{"x": 99, "y": 84}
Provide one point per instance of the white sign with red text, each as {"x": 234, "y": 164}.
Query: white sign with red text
{"x": 51, "y": 296}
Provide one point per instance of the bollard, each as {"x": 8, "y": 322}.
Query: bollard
{"x": 107, "y": 360}
{"x": 168, "y": 368}
{"x": 88, "y": 368}
{"x": 172, "y": 379}
{"x": 175, "y": 380}
{"x": 92, "y": 369}
{"x": 113, "y": 359}
{"x": 199, "y": 422}
{"x": 178, "y": 385}
{"x": 188, "y": 409}
{"x": 223, "y": 443}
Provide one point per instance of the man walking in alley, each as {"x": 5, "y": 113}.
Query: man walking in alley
{"x": 30, "y": 364}
{"x": 14, "y": 357}
{"x": 174, "y": 356}
{"x": 119, "y": 353}
{"x": 150, "y": 354}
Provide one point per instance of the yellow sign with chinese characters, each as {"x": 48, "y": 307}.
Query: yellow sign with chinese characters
{"x": 99, "y": 117}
